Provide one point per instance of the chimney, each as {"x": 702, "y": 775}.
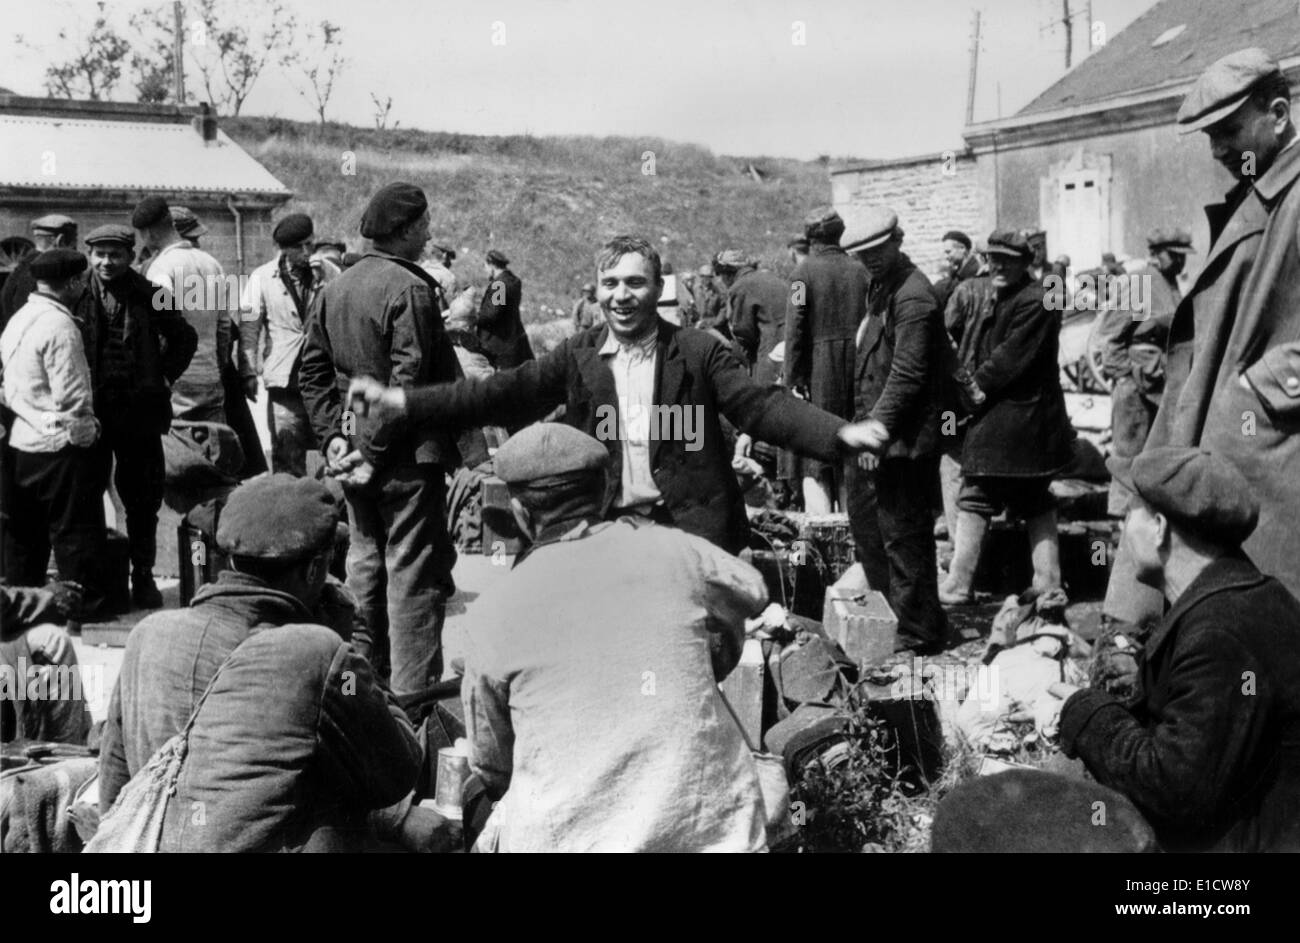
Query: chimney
{"x": 206, "y": 124}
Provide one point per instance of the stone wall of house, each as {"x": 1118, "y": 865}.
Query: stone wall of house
{"x": 931, "y": 195}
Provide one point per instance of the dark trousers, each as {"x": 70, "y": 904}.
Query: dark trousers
{"x": 399, "y": 568}
{"x": 892, "y": 523}
{"x": 240, "y": 418}
{"x": 55, "y": 502}
{"x": 139, "y": 477}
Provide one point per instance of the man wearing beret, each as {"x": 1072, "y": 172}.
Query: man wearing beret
{"x": 828, "y": 299}
{"x": 1211, "y": 751}
{"x": 757, "y": 299}
{"x": 196, "y": 283}
{"x": 135, "y": 350}
{"x": 961, "y": 263}
{"x": 382, "y": 318}
{"x": 49, "y": 232}
{"x": 635, "y": 385}
{"x": 55, "y": 498}
{"x": 273, "y": 320}
{"x": 298, "y": 740}
{"x": 594, "y": 719}
{"x": 1233, "y": 371}
{"x": 500, "y": 330}
{"x": 1019, "y": 436}
{"x": 898, "y": 392}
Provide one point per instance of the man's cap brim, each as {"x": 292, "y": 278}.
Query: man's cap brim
{"x": 868, "y": 244}
{"x": 1215, "y": 116}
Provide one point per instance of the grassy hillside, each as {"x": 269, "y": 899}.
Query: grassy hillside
{"x": 547, "y": 203}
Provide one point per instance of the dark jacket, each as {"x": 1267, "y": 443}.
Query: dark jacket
{"x": 1212, "y": 753}
{"x": 380, "y": 318}
{"x": 945, "y": 286}
{"x": 14, "y": 292}
{"x": 297, "y": 734}
{"x": 693, "y": 370}
{"x": 828, "y": 298}
{"x": 758, "y": 300}
{"x": 159, "y": 340}
{"x": 500, "y": 329}
{"x": 897, "y": 379}
{"x": 1022, "y": 430}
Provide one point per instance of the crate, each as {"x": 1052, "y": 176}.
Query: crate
{"x": 862, "y": 622}
{"x": 830, "y": 540}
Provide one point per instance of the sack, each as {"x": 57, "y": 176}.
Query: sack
{"x": 776, "y": 797}
{"x": 134, "y": 824}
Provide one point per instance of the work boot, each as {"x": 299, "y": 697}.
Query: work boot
{"x": 144, "y": 591}
{"x": 957, "y": 589}
{"x": 1045, "y": 551}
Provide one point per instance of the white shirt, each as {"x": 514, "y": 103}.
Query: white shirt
{"x": 633, "y": 367}
{"x": 46, "y": 378}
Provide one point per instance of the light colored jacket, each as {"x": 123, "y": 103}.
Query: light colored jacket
{"x": 597, "y": 714}
{"x": 46, "y": 378}
{"x": 271, "y": 331}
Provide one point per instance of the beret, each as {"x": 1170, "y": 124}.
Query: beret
{"x": 53, "y": 224}
{"x": 1009, "y": 242}
{"x": 277, "y": 517}
{"x": 391, "y": 208}
{"x": 733, "y": 259}
{"x": 871, "y": 227}
{"x": 293, "y": 230}
{"x": 823, "y": 224}
{"x": 1224, "y": 87}
{"x": 956, "y": 235}
{"x": 112, "y": 233}
{"x": 497, "y": 258}
{"x": 186, "y": 223}
{"x": 149, "y": 211}
{"x": 58, "y": 264}
{"x": 1175, "y": 240}
{"x": 1036, "y": 811}
{"x": 1195, "y": 489}
{"x": 798, "y": 242}
{"x": 547, "y": 449}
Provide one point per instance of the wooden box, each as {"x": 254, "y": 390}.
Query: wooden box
{"x": 862, "y": 623}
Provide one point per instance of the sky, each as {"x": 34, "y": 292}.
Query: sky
{"x": 785, "y": 78}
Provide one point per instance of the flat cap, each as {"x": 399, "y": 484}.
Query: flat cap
{"x": 186, "y": 223}
{"x": 444, "y": 250}
{"x": 956, "y": 235}
{"x": 278, "y": 517}
{"x": 798, "y": 242}
{"x": 54, "y": 224}
{"x": 148, "y": 211}
{"x": 823, "y": 225}
{"x": 872, "y": 227}
{"x": 1173, "y": 240}
{"x": 1193, "y": 488}
{"x": 546, "y": 450}
{"x": 57, "y": 264}
{"x": 1224, "y": 87}
{"x": 112, "y": 234}
{"x": 391, "y": 208}
{"x": 733, "y": 259}
{"x": 706, "y": 271}
{"x": 293, "y": 230}
{"x": 588, "y": 286}
{"x": 1009, "y": 242}
{"x": 497, "y": 258}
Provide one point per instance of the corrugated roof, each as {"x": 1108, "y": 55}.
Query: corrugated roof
{"x": 1212, "y": 29}
{"x": 116, "y": 155}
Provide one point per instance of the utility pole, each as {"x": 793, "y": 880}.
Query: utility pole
{"x": 1088, "y": 24}
{"x": 974, "y": 65}
{"x": 1069, "y": 32}
{"x": 178, "y": 52}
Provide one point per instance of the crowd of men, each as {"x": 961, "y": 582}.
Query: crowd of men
{"x": 589, "y": 685}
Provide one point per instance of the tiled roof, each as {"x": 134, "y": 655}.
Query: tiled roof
{"x": 59, "y": 152}
{"x": 1210, "y": 29}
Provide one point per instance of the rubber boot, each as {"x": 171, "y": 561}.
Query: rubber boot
{"x": 1045, "y": 551}
{"x": 957, "y": 589}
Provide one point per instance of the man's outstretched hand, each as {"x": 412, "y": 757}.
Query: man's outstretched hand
{"x": 869, "y": 436}
{"x": 366, "y": 394}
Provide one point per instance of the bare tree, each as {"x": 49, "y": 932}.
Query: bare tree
{"x": 230, "y": 54}
{"x": 95, "y": 66}
{"x": 320, "y": 61}
{"x": 382, "y": 108}
{"x": 153, "y": 62}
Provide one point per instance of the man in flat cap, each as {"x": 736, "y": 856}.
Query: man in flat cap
{"x": 960, "y": 262}
{"x": 798, "y": 249}
{"x": 1209, "y": 752}
{"x": 439, "y": 266}
{"x": 898, "y": 393}
{"x": 828, "y": 299}
{"x": 297, "y": 739}
{"x": 273, "y": 314}
{"x": 500, "y": 330}
{"x": 382, "y": 318}
{"x": 136, "y": 350}
{"x": 196, "y": 283}
{"x": 757, "y": 299}
{"x": 49, "y": 232}
{"x": 55, "y": 498}
{"x": 586, "y": 310}
{"x": 652, "y": 392}
{"x": 188, "y": 226}
{"x": 594, "y": 718}
{"x": 1019, "y": 436}
{"x": 709, "y": 304}
{"x": 1232, "y": 381}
